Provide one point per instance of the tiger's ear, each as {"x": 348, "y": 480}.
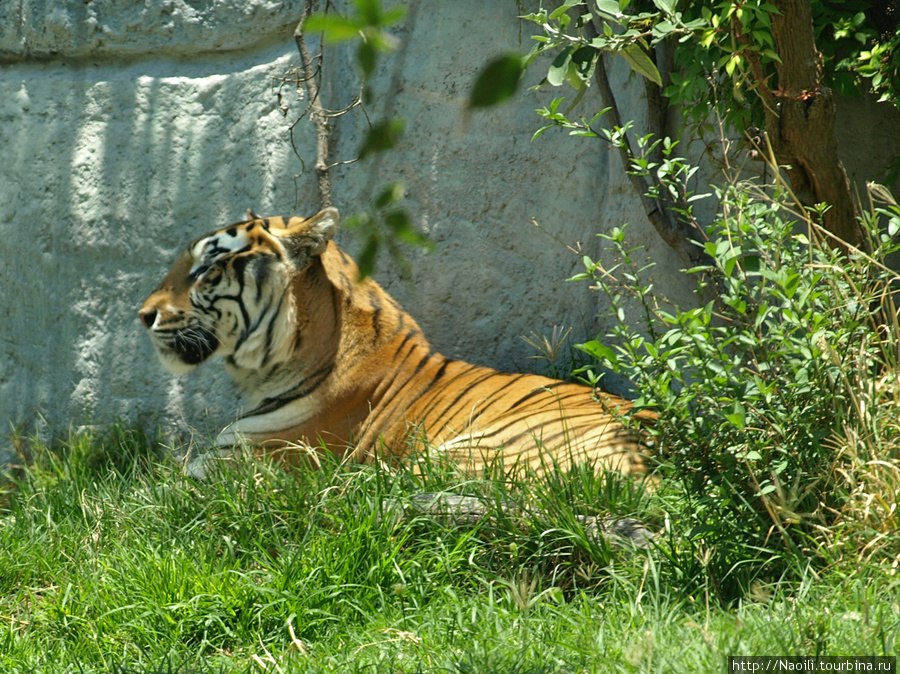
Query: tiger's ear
{"x": 251, "y": 215}
{"x": 323, "y": 225}
{"x": 309, "y": 238}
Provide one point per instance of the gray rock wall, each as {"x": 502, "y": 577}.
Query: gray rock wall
{"x": 129, "y": 128}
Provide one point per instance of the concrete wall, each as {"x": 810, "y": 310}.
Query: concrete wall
{"x": 129, "y": 128}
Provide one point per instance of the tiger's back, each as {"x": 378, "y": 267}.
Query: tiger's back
{"x": 331, "y": 361}
{"x": 475, "y": 415}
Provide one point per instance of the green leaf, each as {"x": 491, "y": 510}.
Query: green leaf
{"x": 540, "y": 131}
{"x": 641, "y": 63}
{"x": 369, "y": 10}
{"x": 598, "y": 351}
{"x": 763, "y": 37}
{"x": 791, "y": 283}
{"x": 391, "y": 194}
{"x": 366, "y": 56}
{"x": 609, "y": 8}
{"x": 399, "y": 222}
{"x": 751, "y": 264}
{"x": 556, "y": 75}
{"x": 559, "y": 11}
{"x": 598, "y": 116}
{"x": 335, "y": 28}
{"x": 497, "y": 81}
{"x": 393, "y": 15}
{"x": 733, "y": 61}
{"x": 662, "y": 29}
{"x": 667, "y": 6}
{"x": 383, "y": 136}
{"x": 584, "y": 61}
{"x": 893, "y": 226}
{"x": 366, "y": 260}
{"x": 402, "y": 228}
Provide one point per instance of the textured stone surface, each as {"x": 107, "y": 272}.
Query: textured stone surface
{"x": 109, "y": 171}
{"x": 75, "y": 29}
{"x": 129, "y": 128}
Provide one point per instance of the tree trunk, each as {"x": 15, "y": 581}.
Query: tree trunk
{"x": 800, "y": 122}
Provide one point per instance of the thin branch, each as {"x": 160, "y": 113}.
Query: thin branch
{"x": 343, "y": 111}
{"x": 346, "y": 162}
{"x": 678, "y": 234}
{"x": 657, "y": 105}
{"x": 316, "y": 112}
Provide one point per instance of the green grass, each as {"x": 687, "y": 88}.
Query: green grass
{"x": 111, "y": 561}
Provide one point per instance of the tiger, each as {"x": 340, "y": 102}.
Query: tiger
{"x": 331, "y": 363}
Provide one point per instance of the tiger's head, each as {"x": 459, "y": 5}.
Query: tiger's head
{"x": 227, "y": 292}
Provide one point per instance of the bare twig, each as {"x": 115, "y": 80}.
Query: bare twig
{"x": 316, "y": 112}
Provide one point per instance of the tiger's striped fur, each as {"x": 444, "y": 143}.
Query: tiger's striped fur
{"x": 330, "y": 361}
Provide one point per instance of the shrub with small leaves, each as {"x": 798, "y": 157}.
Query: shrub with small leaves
{"x": 754, "y": 386}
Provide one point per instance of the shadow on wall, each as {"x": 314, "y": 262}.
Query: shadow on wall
{"x": 101, "y": 162}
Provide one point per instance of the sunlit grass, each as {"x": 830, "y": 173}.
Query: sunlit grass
{"x": 111, "y": 561}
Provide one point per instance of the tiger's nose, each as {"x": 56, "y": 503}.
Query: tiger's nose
{"x": 148, "y": 317}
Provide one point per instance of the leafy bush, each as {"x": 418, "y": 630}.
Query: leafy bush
{"x": 760, "y": 386}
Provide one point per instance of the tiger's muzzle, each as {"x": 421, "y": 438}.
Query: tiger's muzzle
{"x": 190, "y": 345}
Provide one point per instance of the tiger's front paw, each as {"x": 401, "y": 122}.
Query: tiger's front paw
{"x": 203, "y": 466}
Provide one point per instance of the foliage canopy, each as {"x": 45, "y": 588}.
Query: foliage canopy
{"x": 723, "y": 53}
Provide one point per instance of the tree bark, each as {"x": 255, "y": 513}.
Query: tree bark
{"x": 800, "y": 116}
